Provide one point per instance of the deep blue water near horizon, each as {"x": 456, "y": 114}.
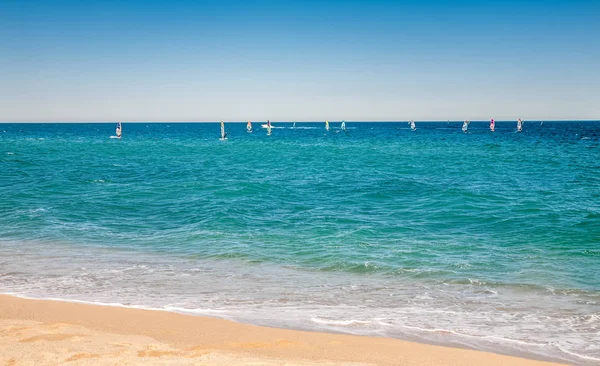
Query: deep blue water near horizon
{"x": 482, "y": 240}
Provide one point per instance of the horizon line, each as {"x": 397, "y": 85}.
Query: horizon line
{"x": 311, "y": 121}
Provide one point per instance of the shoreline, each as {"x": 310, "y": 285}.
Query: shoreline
{"x": 51, "y": 331}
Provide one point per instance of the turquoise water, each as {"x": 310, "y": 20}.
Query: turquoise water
{"x": 483, "y": 240}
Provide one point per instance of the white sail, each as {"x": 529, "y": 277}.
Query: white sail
{"x": 343, "y": 126}
{"x": 519, "y": 125}
{"x": 465, "y": 126}
{"x": 268, "y": 127}
{"x": 413, "y": 126}
{"x": 119, "y": 130}
{"x": 327, "y": 125}
{"x": 294, "y": 126}
{"x": 223, "y": 134}
{"x": 249, "y": 126}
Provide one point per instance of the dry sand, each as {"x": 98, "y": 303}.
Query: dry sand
{"x": 40, "y": 332}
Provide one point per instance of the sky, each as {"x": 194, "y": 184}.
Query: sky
{"x": 87, "y": 61}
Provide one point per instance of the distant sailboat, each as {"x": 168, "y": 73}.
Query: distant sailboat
{"x": 492, "y": 125}
{"x": 118, "y": 131}
{"x": 542, "y": 123}
{"x": 223, "y": 133}
{"x": 268, "y": 128}
{"x": 294, "y": 126}
{"x": 519, "y": 125}
{"x": 465, "y": 126}
{"x": 343, "y": 126}
{"x": 327, "y": 125}
{"x": 249, "y": 127}
{"x": 412, "y": 125}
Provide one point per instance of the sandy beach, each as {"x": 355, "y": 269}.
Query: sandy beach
{"x": 34, "y": 332}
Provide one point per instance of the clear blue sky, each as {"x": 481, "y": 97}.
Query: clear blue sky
{"x": 298, "y": 60}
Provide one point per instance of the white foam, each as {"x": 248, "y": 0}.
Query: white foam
{"x": 475, "y": 281}
{"x": 170, "y": 309}
{"x": 339, "y": 322}
{"x": 196, "y": 311}
{"x": 464, "y": 335}
{"x": 583, "y": 357}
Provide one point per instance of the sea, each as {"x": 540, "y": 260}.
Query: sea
{"x": 481, "y": 240}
